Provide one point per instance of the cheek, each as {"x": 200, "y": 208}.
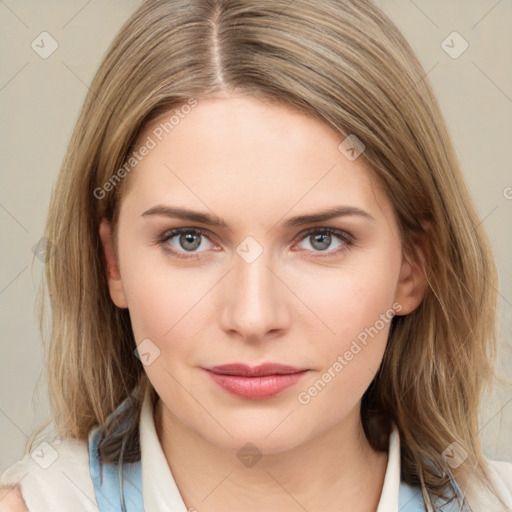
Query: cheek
{"x": 164, "y": 306}
{"x": 348, "y": 360}
{"x": 354, "y": 304}
{"x": 161, "y": 297}
{"x": 348, "y": 300}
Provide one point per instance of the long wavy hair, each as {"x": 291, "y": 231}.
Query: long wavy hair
{"x": 346, "y": 63}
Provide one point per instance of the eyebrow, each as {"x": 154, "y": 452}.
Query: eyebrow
{"x": 215, "y": 221}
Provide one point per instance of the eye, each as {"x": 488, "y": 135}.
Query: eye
{"x": 190, "y": 243}
{"x": 327, "y": 240}
{"x": 181, "y": 241}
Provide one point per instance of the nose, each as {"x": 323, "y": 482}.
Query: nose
{"x": 254, "y": 303}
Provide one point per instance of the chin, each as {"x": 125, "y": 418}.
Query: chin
{"x": 267, "y": 440}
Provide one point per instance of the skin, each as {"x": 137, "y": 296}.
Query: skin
{"x": 255, "y": 165}
{"x": 11, "y": 500}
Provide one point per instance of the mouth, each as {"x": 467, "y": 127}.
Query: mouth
{"x": 256, "y": 382}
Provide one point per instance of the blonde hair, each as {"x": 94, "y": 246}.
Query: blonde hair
{"x": 345, "y": 63}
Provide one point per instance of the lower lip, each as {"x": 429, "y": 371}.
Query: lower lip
{"x": 256, "y": 388}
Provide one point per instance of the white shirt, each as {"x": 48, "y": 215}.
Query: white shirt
{"x": 65, "y": 485}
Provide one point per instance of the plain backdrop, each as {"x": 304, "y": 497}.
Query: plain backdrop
{"x": 40, "y": 99}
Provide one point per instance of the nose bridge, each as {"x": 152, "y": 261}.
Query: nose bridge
{"x": 253, "y": 304}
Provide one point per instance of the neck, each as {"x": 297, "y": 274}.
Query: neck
{"x": 337, "y": 470}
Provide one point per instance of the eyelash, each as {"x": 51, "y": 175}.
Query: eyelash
{"x": 345, "y": 237}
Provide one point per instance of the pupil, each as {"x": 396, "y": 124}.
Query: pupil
{"x": 323, "y": 239}
{"x": 188, "y": 243}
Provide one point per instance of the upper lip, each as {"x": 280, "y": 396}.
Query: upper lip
{"x": 255, "y": 371}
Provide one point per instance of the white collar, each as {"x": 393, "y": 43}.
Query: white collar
{"x": 389, "y": 497}
{"x": 161, "y": 493}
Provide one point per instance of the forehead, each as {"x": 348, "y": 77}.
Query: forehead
{"x": 247, "y": 153}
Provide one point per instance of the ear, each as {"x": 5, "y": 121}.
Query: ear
{"x": 412, "y": 281}
{"x": 115, "y": 283}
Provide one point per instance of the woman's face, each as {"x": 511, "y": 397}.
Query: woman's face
{"x": 253, "y": 277}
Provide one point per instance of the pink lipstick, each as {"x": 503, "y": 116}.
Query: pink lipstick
{"x": 258, "y": 382}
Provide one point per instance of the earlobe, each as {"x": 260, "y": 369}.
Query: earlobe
{"x": 115, "y": 283}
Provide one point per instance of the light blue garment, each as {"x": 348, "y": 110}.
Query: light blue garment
{"x": 411, "y": 500}
{"x": 108, "y": 484}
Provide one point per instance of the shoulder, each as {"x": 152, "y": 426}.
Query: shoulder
{"x": 54, "y": 472}
{"x": 11, "y": 500}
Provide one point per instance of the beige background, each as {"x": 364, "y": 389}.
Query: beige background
{"x": 39, "y": 104}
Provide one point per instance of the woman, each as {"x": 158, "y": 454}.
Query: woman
{"x": 270, "y": 288}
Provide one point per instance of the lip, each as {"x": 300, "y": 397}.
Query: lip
{"x": 256, "y": 382}
{"x": 244, "y": 370}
